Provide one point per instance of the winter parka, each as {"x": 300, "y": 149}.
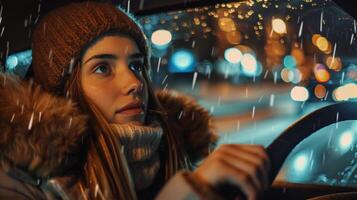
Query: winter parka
{"x": 42, "y": 130}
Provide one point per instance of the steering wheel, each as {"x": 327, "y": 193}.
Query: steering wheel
{"x": 280, "y": 148}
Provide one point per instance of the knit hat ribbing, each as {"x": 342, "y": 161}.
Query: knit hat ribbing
{"x": 63, "y": 33}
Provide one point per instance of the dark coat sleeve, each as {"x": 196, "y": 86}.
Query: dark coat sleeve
{"x": 11, "y": 188}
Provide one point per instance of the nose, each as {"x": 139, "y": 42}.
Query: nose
{"x": 129, "y": 82}
{"x": 132, "y": 89}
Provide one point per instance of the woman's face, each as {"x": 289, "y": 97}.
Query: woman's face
{"x": 111, "y": 77}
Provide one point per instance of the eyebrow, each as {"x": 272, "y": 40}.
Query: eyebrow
{"x": 114, "y": 57}
{"x": 102, "y": 56}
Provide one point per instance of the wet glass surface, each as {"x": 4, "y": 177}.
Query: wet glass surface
{"x": 258, "y": 66}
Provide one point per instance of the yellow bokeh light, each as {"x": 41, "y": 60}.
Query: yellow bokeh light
{"x": 329, "y": 49}
{"x": 279, "y": 26}
{"x": 334, "y": 63}
{"x": 322, "y": 43}
{"x": 314, "y": 38}
{"x": 322, "y": 75}
{"x": 226, "y": 24}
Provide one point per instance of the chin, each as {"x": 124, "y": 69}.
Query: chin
{"x": 129, "y": 119}
{"x": 137, "y": 123}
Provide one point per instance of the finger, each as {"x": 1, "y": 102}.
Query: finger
{"x": 261, "y": 151}
{"x": 241, "y": 179}
{"x": 257, "y": 150}
{"x": 248, "y": 156}
{"x": 246, "y": 166}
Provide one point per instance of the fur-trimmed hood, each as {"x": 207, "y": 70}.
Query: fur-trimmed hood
{"x": 39, "y": 131}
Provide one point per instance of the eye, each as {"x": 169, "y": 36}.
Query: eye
{"x": 102, "y": 69}
{"x": 136, "y": 66}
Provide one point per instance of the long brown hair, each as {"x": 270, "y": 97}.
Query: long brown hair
{"x": 106, "y": 173}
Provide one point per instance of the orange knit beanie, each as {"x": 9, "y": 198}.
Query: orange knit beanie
{"x": 63, "y": 33}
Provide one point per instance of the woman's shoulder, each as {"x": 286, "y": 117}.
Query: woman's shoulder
{"x": 12, "y": 188}
{"x": 38, "y": 130}
{"x": 189, "y": 119}
{"x": 19, "y": 184}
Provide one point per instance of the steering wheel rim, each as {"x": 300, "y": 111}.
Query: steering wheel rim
{"x": 281, "y": 147}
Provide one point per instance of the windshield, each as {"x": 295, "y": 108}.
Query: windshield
{"x": 258, "y": 66}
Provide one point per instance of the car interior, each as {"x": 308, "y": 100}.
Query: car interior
{"x": 280, "y": 73}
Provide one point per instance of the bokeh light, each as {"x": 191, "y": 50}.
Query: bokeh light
{"x": 346, "y": 140}
{"x": 300, "y": 162}
{"x": 289, "y": 61}
{"x": 161, "y": 37}
{"x": 279, "y": 26}
{"x": 297, "y": 76}
{"x": 322, "y": 43}
{"x": 19, "y": 62}
{"x": 182, "y": 61}
{"x": 334, "y": 63}
{"x": 291, "y": 75}
{"x": 352, "y": 72}
{"x": 345, "y": 92}
{"x": 286, "y": 75}
{"x": 299, "y": 93}
{"x": 11, "y": 62}
{"x": 249, "y": 65}
{"x": 320, "y": 91}
{"x": 321, "y": 73}
{"x": 329, "y": 48}
{"x": 226, "y": 24}
{"x": 314, "y": 38}
{"x": 233, "y": 55}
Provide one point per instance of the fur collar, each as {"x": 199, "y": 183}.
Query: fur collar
{"x": 188, "y": 119}
{"x": 39, "y": 130}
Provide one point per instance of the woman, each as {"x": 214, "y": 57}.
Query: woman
{"x": 88, "y": 124}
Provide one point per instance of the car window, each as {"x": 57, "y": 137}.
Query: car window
{"x": 257, "y": 66}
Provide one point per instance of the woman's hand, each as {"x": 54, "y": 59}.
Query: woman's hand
{"x": 245, "y": 166}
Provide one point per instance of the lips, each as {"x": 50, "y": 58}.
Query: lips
{"x": 132, "y": 108}
{"x": 132, "y": 111}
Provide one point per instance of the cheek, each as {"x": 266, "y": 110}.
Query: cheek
{"x": 101, "y": 97}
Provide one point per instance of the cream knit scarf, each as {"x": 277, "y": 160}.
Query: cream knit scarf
{"x": 140, "y": 145}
